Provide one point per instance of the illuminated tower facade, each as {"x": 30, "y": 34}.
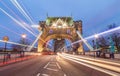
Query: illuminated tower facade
{"x": 59, "y": 28}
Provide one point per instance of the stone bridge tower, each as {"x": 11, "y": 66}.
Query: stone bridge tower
{"x": 60, "y": 28}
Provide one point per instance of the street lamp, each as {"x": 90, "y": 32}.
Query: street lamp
{"x": 97, "y": 46}
{"x": 24, "y": 35}
{"x": 95, "y": 41}
{"x": 23, "y": 41}
{"x": 96, "y": 36}
{"x": 5, "y": 39}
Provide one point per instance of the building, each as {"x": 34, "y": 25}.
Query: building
{"x": 59, "y": 28}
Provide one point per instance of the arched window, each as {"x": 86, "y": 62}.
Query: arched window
{"x": 50, "y": 31}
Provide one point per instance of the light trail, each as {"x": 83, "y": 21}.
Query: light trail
{"x": 17, "y": 22}
{"x": 88, "y": 45}
{"x": 29, "y": 27}
{"x": 9, "y": 29}
{"x": 18, "y": 6}
{"x": 108, "y": 69}
{"x": 35, "y": 26}
{"x": 14, "y": 32}
{"x": 35, "y": 41}
{"x": 93, "y": 59}
{"x": 99, "y": 34}
{"x": 27, "y": 12}
{"x": 38, "y": 37}
{"x": 115, "y": 68}
{"x": 25, "y": 24}
{"x": 12, "y": 12}
{"x": 15, "y": 43}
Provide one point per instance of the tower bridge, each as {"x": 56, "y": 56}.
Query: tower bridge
{"x": 59, "y": 28}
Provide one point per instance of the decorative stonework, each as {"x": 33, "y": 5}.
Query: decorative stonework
{"x": 59, "y": 28}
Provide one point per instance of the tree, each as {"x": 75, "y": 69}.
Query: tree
{"x": 116, "y": 39}
{"x": 104, "y": 42}
{"x": 111, "y": 26}
{"x": 115, "y": 36}
{"x": 17, "y": 48}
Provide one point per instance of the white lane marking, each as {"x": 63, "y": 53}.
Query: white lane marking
{"x": 108, "y": 62}
{"x": 52, "y": 69}
{"x": 94, "y": 67}
{"x": 46, "y": 65}
{"x": 58, "y": 65}
{"x": 52, "y": 62}
{"x": 52, "y": 65}
{"x": 51, "y": 59}
{"x": 106, "y": 66}
{"x": 65, "y": 75}
{"x": 38, "y": 74}
{"x": 45, "y": 75}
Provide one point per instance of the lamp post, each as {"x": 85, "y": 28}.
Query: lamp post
{"x": 23, "y": 37}
{"x": 23, "y": 42}
{"x": 5, "y": 39}
{"x": 93, "y": 41}
{"x": 96, "y": 37}
{"x": 97, "y": 46}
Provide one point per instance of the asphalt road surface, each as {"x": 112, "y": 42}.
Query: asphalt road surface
{"x": 45, "y": 65}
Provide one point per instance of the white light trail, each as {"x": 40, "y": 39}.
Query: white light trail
{"x": 92, "y": 36}
{"x": 27, "y": 12}
{"x": 88, "y": 45}
{"x": 115, "y": 68}
{"x": 35, "y": 26}
{"x": 8, "y": 29}
{"x": 38, "y": 37}
{"x": 99, "y": 34}
{"x": 93, "y": 59}
{"x": 13, "y": 32}
{"x": 22, "y": 11}
{"x": 15, "y": 43}
{"x": 17, "y": 21}
{"x": 95, "y": 65}
{"x": 17, "y": 5}
{"x": 25, "y": 24}
{"x": 29, "y": 49}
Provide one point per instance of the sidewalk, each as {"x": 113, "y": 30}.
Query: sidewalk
{"x": 100, "y": 58}
{"x": 14, "y": 60}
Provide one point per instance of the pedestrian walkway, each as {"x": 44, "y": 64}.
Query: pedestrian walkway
{"x": 14, "y": 60}
{"x": 100, "y": 58}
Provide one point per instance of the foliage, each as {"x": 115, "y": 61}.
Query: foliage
{"x": 19, "y": 47}
{"x": 103, "y": 41}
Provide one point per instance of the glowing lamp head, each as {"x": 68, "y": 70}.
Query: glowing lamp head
{"x": 96, "y": 36}
{"x": 24, "y": 35}
{"x": 59, "y": 26}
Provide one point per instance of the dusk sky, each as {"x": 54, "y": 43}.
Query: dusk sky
{"x": 95, "y": 14}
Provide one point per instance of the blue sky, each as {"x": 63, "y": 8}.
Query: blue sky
{"x": 95, "y": 14}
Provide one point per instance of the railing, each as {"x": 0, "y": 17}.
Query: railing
{"x": 94, "y": 54}
{"x": 104, "y": 55}
{"x": 7, "y": 56}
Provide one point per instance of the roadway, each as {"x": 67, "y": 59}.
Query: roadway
{"x": 48, "y": 65}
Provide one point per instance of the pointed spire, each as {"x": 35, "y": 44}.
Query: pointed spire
{"x": 71, "y": 14}
{"x": 47, "y": 14}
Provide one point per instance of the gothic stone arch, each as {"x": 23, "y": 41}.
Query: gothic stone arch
{"x": 59, "y": 27}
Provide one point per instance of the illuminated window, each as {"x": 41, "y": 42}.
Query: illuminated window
{"x": 68, "y": 31}
{"x": 50, "y": 31}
